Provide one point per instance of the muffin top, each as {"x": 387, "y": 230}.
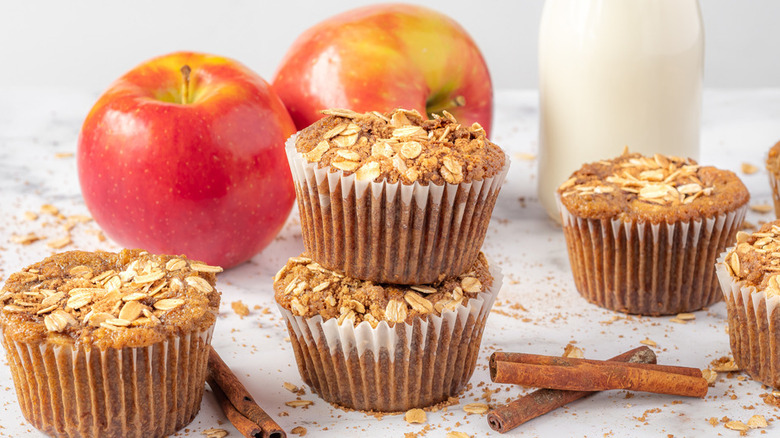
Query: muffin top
{"x": 307, "y": 289}
{"x": 104, "y": 299}
{"x": 400, "y": 146}
{"x": 654, "y": 189}
{"x": 773, "y": 159}
{"x": 756, "y": 258}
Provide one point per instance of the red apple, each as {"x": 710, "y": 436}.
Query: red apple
{"x": 184, "y": 154}
{"x": 383, "y": 57}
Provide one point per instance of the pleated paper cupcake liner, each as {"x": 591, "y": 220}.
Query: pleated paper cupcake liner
{"x": 392, "y": 369}
{"x": 68, "y": 391}
{"x": 754, "y": 327}
{"x": 648, "y": 269}
{"x": 391, "y": 233}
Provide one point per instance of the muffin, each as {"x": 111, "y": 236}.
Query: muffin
{"x": 110, "y": 345}
{"x": 395, "y": 198}
{"x": 382, "y": 347}
{"x": 643, "y": 233}
{"x": 773, "y": 169}
{"x": 749, "y": 274}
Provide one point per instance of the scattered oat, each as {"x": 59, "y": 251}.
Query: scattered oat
{"x": 724, "y": 365}
{"x": 762, "y": 208}
{"x": 571, "y": 351}
{"x": 298, "y": 430}
{"x": 476, "y": 408}
{"x": 710, "y": 376}
{"x": 299, "y": 403}
{"x": 686, "y": 316}
{"x": 749, "y": 169}
{"x": 678, "y": 320}
{"x": 215, "y": 433}
{"x": 239, "y": 308}
{"x": 30, "y": 215}
{"x": 757, "y": 422}
{"x": 50, "y": 209}
{"x": 63, "y": 155}
{"x": 290, "y": 387}
{"x": 25, "y": 239}
{"x": 456, "y": 434}
{"x": 737, "y": 425}
{"x": 648, "y": 342}
{"x": 415, "y": 416}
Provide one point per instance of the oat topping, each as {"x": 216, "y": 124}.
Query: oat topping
{"x": 658, "y": 180}
{"x": 401, "y": 145}
{"x": 307, "y": 289}
{"x": 756, "y": 258}
{"x": 651, "y": 188}
{"x": 76, "y": 293}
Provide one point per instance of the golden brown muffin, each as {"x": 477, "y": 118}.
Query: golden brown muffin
{"x": 395, "y": 198}
{"x": 773, "y": 169}
{"x": 383, "y": 347}
{"x": 749, "y": 275}
{"x": 643, "y": 233}
{"x": 110, "y": 345}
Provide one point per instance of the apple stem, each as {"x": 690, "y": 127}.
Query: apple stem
{"x": 185, "y": 87}
{"x": 437, "y": 108}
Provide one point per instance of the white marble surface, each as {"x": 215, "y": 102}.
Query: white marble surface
{"x": 539, "y": 310}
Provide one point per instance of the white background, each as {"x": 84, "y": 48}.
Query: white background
{"x": 86, "y": 44}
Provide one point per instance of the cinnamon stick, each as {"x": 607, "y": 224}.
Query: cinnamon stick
{"x": 592, "y": 375}
{"x": 507, "y": 417}
{"x": 249, "y": 418}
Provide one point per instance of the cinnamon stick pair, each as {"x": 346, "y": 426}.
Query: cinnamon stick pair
{"x": 236, "y": 402}
{"x": 569, "y": 379}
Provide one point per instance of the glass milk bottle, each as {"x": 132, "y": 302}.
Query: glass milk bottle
{"x": 616, "y": 73}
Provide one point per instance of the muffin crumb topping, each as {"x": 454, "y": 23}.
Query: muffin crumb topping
{"x": 75, "y": 293}
{"x": 658, "y": 180}
{"x": 400, "y": 145}
{"x": 308, "y": 289}
{"x": 756, "y": 258}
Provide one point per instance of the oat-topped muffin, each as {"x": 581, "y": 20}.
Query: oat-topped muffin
{"x": 401, "y": 146}
{"x": 395, "y": 198}
{"x": 651, "y": 189}
{"x": 139, "y": 321}
{"x": 383, "y": 347}
{"x": 749, "y": 275}
{"x": 307, "y": 289}
{"x": 643, "y": 233}
{"x": 773, "y": 169}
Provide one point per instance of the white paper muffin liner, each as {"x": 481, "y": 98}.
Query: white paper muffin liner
{"x": 754, "y": 326}
{"x": 645, "y": 268}
{"x": 391, "y": 233}
{"x": 67, "y": 390}
{"x": 392, "y": 369}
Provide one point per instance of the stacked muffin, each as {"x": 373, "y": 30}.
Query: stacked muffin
{"x": 387, "y": 306}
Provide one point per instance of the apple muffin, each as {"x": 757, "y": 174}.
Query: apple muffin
{"x": 384, "y": 347}
{"x": 110, "y": 345}
{"x": 749, "y": 275}
{"x": 773, "y": 169}
{"x": 643, "y": 233}
{"x": 395, "y": 198}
